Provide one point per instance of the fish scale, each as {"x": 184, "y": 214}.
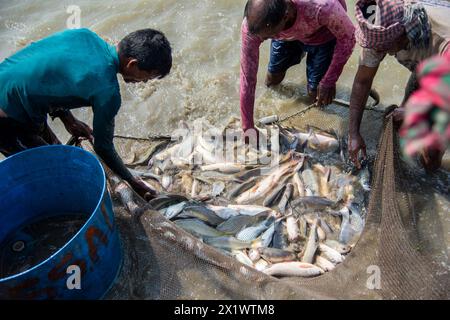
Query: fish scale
{"x": 236, "y": 224}
{"x": 252, "y": 233}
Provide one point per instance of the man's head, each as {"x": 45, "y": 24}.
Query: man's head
{"x": 267, "y": 18}
{"x": 389, "y": 26}
{"x": 144, "y": 55}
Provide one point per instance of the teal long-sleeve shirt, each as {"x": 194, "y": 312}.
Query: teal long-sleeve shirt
{"x": 67, "y": 70}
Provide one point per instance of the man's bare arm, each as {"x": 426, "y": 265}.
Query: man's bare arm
{"x": 360, "y": 93}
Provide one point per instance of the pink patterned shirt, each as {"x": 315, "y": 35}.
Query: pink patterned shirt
{"x": 318, "y": 22}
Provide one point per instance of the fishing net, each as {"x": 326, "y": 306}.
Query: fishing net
{"x": 402, "y": 253}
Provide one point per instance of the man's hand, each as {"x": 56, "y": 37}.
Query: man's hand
{"x": 398, "y": 115}
{"x": 356, "y": 145}
{"x": 75, "y": 127}
{"x": 142, "y": 188}
{"x": 431, "y": 159}
{"x": 79, "y": 129}
{"x": 325, "y": 95}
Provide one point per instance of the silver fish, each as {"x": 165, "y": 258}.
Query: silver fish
{"x": 249, "y": 174}
{"x": 229, "y": 168}
{"x": 310, "y": 181}
{"x": 346, "y": 233}
{"x": 194, "y": 188}
{"x": 321, "y": 234}
{"x": 303, "y": 227}
{"x": 166, "y": 182}
{"x": 243, "y": 187}
{"x": 324, "y": 264}
{"x": 144, "y": 158}
{"x": 339, "y": 247}
{"x": 319, "y": 203}
{"x": 197, "y": 228}
{"x": 267, "y": 184}
{"x": 293, "y": 269}
{"x": 274, "y": 196}
{"x": 286, "y": 198}
{"x": 280, "y": 240}
{"x": 293, "y": 229}
{"x": 242, "y": 258}
{"x": 277, "y": 255}
{"x": 172, "y": 211}
{"x": 217, "y": 188}
{"x": 165, "y": 201}
{"x": 127, "y": 197}
{"x": 223, "y": 212}
{"x": 251, "y": 210}
{"x": 202, "y": 213}
{"x": 251, "y": 233}
{"x": 238, "y": 223}
{"x": 356, "y": 221}
{"x": 228, "y": 243}
{"x": 217, "y": 176}
{"x": 323, "y": 174}
{"x": 311, "y": 245}
{"x": 331, "y": 254}
{"x": 298, "y": 182}
{"x": 268, "y": 120}
{"x": 320, "y": 141}
{"x": 364, "y": 178}
{"x": 267, "y": 236}
{"x": 288, "y": 141}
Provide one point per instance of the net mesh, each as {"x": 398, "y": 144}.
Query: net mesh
{"x": 404, "y": 242}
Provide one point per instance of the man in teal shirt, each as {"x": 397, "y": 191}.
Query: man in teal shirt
{"x": 73, "y": 69}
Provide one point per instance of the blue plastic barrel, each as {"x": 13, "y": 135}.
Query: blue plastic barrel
{"x": 43, "y": 183}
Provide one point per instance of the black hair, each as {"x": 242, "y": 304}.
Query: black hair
{"x": 272, "y": 12}
{"x": 150, "y": 48}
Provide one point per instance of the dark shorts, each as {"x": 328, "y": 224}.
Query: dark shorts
{"x": 285, "y": 54}
{"x": 16, "y": 137}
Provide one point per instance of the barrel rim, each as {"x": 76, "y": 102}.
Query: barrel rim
{"x": 82, "y": 151}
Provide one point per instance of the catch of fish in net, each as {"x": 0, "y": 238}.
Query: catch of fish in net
{"x": 294, "y": 207}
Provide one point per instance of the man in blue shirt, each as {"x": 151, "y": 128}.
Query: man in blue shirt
{"x": 73, "y": 69}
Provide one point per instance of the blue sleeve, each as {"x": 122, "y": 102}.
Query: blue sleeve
{"x": 105, "y": 105}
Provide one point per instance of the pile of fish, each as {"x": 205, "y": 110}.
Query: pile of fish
{"x": 298, "y": 216}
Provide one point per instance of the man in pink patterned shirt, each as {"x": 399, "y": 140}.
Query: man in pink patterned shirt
{"x": 319, "y": 28}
